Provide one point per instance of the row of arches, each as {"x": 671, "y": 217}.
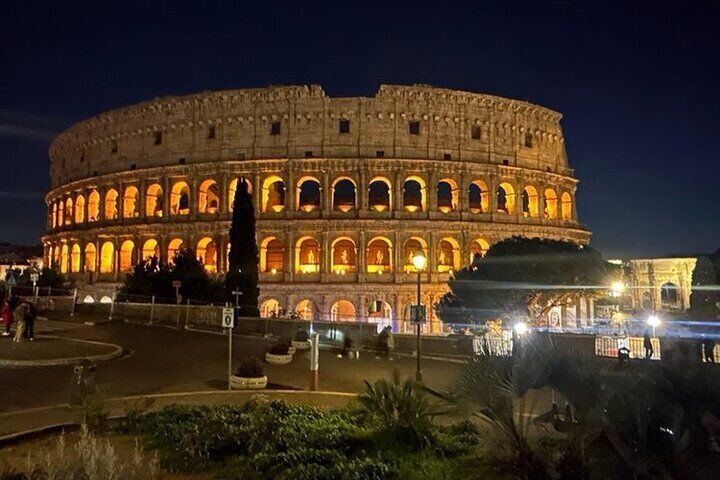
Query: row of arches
{"x": 273, "y": 197}
{"x": 306, "y": 254}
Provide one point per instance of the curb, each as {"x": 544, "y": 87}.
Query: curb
{"x": 118, "y": 351}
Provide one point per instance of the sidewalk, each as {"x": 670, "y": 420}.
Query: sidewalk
{"x": 47, "y": 350}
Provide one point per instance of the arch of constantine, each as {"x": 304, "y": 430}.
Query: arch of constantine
{"x": 346, "y": 190}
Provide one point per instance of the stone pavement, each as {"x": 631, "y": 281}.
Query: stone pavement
{"x": 50, "y": 349}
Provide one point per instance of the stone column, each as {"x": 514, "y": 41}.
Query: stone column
{"x": 289, "y": 255}
{"x": 141, "y": 199}
{"x": 257, "y": 193}
{"x": 326, "y": 195}
{"x": 399, "y": 188}
{"x": 431, "y": 203}
{"x": 224, "y": 194}
{"x": 362, "y": 191}
{"x": 166, "y": 186}
{"x": 360, "y": 258}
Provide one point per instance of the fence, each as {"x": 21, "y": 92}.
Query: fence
{"x": 609, "y": 347}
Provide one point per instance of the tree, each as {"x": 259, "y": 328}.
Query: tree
{"x": 705, "y": 302}
{"x": 150, "y": 278}
{"x": 525, "y": 278}
{"x": 242, "y": 272}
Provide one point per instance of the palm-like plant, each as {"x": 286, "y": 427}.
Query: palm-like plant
{"x": 401, "y": 408}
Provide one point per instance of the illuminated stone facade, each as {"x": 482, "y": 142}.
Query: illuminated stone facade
{"x": 661, "y": 284}
{"x": 346, "y": 189}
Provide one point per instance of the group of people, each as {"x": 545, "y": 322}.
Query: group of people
{"x": 20, "y": 313}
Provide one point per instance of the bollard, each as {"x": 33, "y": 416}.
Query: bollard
{"x": 152, "y": 309}
{"x": 74, "y": 300}
{"x": 112, "y": 306}
{"x": 314, "y": 361}
{"x": 187, "y": 313}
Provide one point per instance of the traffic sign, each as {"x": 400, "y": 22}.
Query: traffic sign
{"x": 11, "y": 279}
{"x": 228, "y": 317}
{"x": 34, "y": 277}
{"x": 176, "y": 284}
{"x": 417, "y": 314}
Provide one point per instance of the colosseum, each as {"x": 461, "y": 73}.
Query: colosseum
{"x": 347, "y": 190}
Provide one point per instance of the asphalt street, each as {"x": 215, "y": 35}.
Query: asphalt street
{"x": 161, "y": 360}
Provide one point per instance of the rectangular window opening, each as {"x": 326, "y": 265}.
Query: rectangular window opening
{"x": 114, "y": 147}
{"x": 475, "y": 132}
{"x": 344, "y": 126}
{"x": 414, "y": 127}
{"x": 309, "y": 154}
{"x": 506, "y": 162}
{"x": 447, "y": 156}
{"x": 275, "y": 128}
{"x": 211, "y": 132}
{"x": 158, "y": 137}
{"x": 380, "y": 153}
{"x": 528, "y": 140}
{"x": 181, "y": 161}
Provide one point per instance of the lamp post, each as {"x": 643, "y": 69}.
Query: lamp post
{"x": 419, "y": 261}
{"x": 653, "y": 321}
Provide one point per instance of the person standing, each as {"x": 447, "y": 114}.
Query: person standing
{"x": 390, "y": 340}
{"x": 7, "y": 317}
{"x": 19, "y": 315}
{"x": 709, "y": 350}
{"x": 647, "y": 344}
{"x": 30, "y": 317}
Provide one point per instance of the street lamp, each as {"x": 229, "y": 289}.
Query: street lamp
{"x": 521, "y": 328}
{"x": 653, "y": 321}
{"x": 617, "y": 288}
{"x": 419, "y": 261}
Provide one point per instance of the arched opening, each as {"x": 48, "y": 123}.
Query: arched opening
{"x": 208, "y": 197}
{"x": 180, "y": 199}
{"x": 272, "y": 255}
{"x": 448, "y": 255}
{"x": 478, "y": 198}
{"x": 151, "y": 249}
{"x": 307, "y": 255}
{"x": 93, "y": 206}
{"x": 447, "y": 195}
{"x": 270, "y": 308}
{"x": 61, "y": 213}
{"x": 206, "y": 252}
{"x": 90, "y": 258}
{"x": 79, "y": 209}
{"x": 68, "y": 211}
{"x": 111, "y": 207}
{"x": 308, "y": 194}
{"x": 127, "y": 249}
{"x": 343, "y": 195}
{"x": 106, "y": 299}
{"x": 412, "y": 247}
{"x": 54, "y": 218}
{"x": 380, "y": 313}
{"x": 273, "y": 194}
{"x": 505, "y": 198}
{"x": 107, "y": 258}
{"x": 154, "y": 201}
{"x": 342, "y": 311}
{"x": 478, "y": 249}
{"x": 130, "y": 199}
{"x": 343, "y": 256}
{"x": 56, "y": 256}
{"x": 306, "y": 310}
{"x": 174, "y": 247}
{"x": 414, "y": 194}
{"x": 379, "y": 255}
{"x": 88, "y": 299}
{"x": 566, "y": 206}
{"x": 669, "y": 295}
{"x": 530, "y": 201}
{"x": 379, "y": 194}
{"x": 233, "y": 188}
{"x": 64, "y": 258}
{"x": 75, "y": 258}
{"x": 551, "y": 204}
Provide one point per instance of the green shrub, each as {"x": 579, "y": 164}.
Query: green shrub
{"x": 280, "y": 348}
{"x": 250, "y": 368}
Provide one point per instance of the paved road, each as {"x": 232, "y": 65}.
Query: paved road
{"x": 167, "y": 360}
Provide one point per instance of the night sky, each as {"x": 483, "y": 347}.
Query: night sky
{"x": 637, "y": 84}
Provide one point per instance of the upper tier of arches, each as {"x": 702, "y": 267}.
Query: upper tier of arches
{"x": 351, "y": 194}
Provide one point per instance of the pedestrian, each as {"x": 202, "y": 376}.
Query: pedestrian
{"x": 7, "y": 317}
{"x": 19, "y": 315}
{"x": 647, "y": 344}
{"x": 382, "y": 342}
{"x": 390, "y": 341}
{"x": 709, "y": 350}
{"x": 347, "y": 347}
{"x": 30, "y": 317}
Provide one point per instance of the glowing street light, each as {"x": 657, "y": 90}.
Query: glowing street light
{"x": 653, "y": 321}
{"x": 617, "y": 288}
{"x": 521, "y": 328}
{"x": 419, "y": 261}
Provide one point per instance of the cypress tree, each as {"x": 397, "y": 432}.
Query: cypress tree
{"x": 242, "y": 272}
